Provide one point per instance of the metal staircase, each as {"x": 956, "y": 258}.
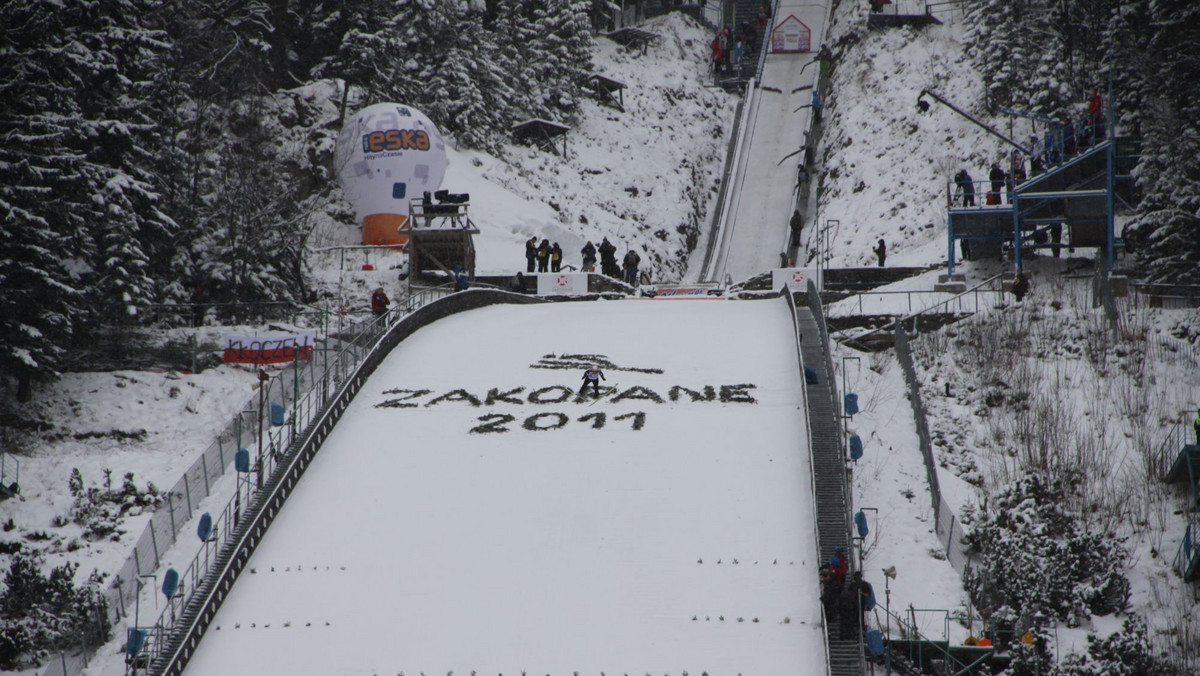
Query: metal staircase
{"x": 830, "y": 476}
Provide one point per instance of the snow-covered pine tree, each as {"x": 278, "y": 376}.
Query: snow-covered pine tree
{"x": 513, "y": 34}
{"x": 45, "y": 192}
{"x": 375, "y": 48}
{"x": 1043, "y": 71}
{"x": 247, "y": 237}
{"x": 473, "y": 94}
{"x": 993, "y": 44}
{"x": 1127, "y": 652}
{"x": 119, "y": 137}
{"x": 1042, "y": 559}
{"x": 1165, "y": 234}
{"x": 1039, "y": 55}
{"x": 560, "y": 54}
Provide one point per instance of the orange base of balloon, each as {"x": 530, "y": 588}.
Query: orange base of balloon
{"x": 385, "y": 230}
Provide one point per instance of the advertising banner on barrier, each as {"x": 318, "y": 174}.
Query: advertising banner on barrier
{"x": 681, "y": 292}
{"x": 562, "y": 284}
{"x": 795, "y": 279}
{"x": 268, "y": 349}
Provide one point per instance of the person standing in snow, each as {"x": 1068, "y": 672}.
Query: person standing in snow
{"x": 967, "y": 185}
{"x": 849, "y": 614}
{"x": 1020, "y": 286}
{"x": 543, "y": 256}
{"x": 589, "y": 257}
{"x": 997, "y": 177}
{"x": 795, "y": 225}
{"x": 866, "y": 595}
{"x": 855, "y": 601}
{"x": 1096, "y": 116}
{"x": 461, "y": 281}
{"x": 1016, "y": 167}
{"x": 829, "y": 594}
{"x": 592, "y": 376}
{"x": 379, "y": 302}
{"x": 727, "y": 46}
{"x": 608, "y": 258}
{"x": 839, "y": 564}
{"x": 517, "y": 285}
{"x": 631, "y": 261}
{"x": 555, "y": 258}
{"x": 881, "y": 252}
{"x": 531, "y": 254}
{"x": 1196, "y": 426}
{"x": 1036, "y": 150}
{"x": 197, "y": 302}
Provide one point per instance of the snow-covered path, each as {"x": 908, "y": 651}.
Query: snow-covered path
{"x": 469, "y": 514}
{"x": 763, "y": 196}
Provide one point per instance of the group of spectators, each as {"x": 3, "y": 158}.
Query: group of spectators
{"x": 1064, "y": 142}
{"x": 845, "y": 599}
{"x": 608, "y": 261}
{"x": 730, "y": 46}
{"x": 1054, "y": 147}
{"x": 547, "y": 257}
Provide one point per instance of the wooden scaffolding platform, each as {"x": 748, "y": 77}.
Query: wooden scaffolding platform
{"x": 440, "y": 237}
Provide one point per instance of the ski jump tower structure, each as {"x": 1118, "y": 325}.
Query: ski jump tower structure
{"x": 1076, "y": 195}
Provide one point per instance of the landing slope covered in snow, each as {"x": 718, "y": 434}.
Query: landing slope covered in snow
{"x": 469, "y": 513}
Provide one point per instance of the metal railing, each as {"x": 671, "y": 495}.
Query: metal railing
{"x": 1165, "y": 296}
{"x": 790, "y": 299}
{"x": 766, "y": 39}
{"x": 901, "y": 7}
{"x": 1188, "y": 551}
{"x": 914, "y": 317}
{"x": 301, "y": 389}
{"x": 813, "y": 299}
{"x": 813, "y": 302}
{"x": 733, "y": 158}
{"x": 967, "y": 301}
{"x": 910, "y": 630}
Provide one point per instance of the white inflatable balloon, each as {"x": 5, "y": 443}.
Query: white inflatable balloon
{"x": 387, "y": 154}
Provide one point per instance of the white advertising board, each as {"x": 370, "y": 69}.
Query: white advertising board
{"x": 562, "y": 284}
{"x": 796, "y": 279}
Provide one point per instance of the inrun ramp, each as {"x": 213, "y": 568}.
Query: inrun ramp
{"x": 468, "y": 514}
{"x": 764, "y": 192}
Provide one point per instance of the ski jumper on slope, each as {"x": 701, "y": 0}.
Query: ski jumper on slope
{"x": 592, "y": 377}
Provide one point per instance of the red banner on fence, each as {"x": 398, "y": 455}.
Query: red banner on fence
{"x": 268, "y": 349}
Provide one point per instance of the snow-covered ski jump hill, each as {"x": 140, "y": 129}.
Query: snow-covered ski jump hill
{"x": 471, "y": 515}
